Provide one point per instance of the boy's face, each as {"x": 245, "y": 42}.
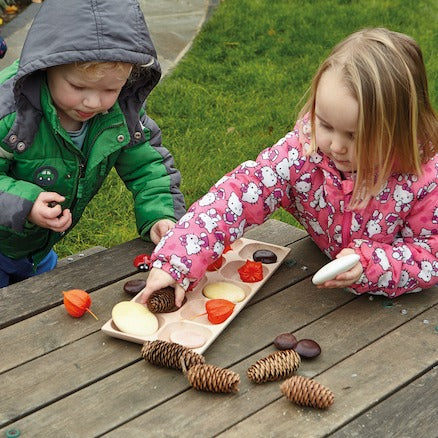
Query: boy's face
{"x": 78, "y": 95}
{"x": 336, "y": 114}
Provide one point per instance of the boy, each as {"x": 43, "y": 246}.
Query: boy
{"x": 69, "y": 112}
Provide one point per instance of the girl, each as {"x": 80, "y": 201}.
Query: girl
{"x": 359, "y": 171}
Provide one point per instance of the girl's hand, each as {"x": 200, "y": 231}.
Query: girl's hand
{"x": 158, "y": 279}
{"x": 159, "y": 229}
{"x": 47, "y": 213}
{"x": 345, "y": 279}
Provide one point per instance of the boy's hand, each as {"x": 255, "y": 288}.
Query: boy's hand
{"x": 158, "y": 279}
{"x": 47, "y": 213}
{"x": 159, "y": 229}
{"x": 345, "y": 279}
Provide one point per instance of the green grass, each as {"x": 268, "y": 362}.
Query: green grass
{"x": 239, "y": 89}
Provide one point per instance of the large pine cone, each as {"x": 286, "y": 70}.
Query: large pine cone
{"x": 275, "y": 366}
{"x": 211, "y": 378}
{"x": 306, "y": 392}
{"x": 170, "y": 355}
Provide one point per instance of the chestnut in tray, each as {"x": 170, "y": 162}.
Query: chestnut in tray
{"x": 265, "y": 256}
{"x": 133, "y": 287}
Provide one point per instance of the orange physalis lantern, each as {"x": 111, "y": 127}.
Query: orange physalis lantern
{"x": 219, "y": 310}
{"x": 77, "y": 302}
{"x": 216, "y": 264}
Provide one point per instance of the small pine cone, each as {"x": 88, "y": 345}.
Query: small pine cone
{"x": 213, "y": 379}
{"x": 275, "y": 366}
{"x": 170, "y": 355}
{"x": 162, "y": 301}
{"x": 306, "y": 392}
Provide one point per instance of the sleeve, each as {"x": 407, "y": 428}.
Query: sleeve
{"x": 149, "y": 173}
{"x": 244, "y": 197}
{"x": 410, "y": 262}
{"x": 16, "y": 197}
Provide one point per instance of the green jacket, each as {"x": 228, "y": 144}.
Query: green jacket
{"x": 37, "y": 154}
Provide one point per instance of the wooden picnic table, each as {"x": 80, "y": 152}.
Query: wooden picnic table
{"x": 62, "y": 376}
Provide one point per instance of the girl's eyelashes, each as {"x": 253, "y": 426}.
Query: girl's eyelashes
{"x": 325, "y": 126}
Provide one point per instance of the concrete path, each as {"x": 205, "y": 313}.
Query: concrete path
{"x": 173, "y": 25}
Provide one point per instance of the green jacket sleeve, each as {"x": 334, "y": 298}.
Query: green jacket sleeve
{"x": 16, "y": 197}
{"x": 149, "y": 173}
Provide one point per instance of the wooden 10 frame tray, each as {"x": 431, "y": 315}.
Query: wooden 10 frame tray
{"x": 191, "y": 317}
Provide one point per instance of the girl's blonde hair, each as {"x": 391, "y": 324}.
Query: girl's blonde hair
{"x": 397, "y": 128}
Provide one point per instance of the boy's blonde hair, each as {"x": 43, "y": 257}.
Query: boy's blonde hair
{"x": 96, "y": 70}
{"x": 397, "y": 128}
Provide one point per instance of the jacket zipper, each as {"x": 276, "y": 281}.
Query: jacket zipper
{"x": 83, "y": 165}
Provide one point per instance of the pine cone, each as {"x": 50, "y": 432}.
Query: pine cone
{"x": 276, "y": 366}
{"x": 162, "y": 301}
{"x": 306, "y": 392}
{"x": 213, "y": 379}
{"x": 170, "y": 355}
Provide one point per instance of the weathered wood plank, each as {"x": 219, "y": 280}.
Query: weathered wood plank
{"x": 109, "y": 393}
{"x": 37, "y": 294}
{"x": 54, "y": 328}
{"x": 276, "y": 232}
{"x": 32, "y": 344}
{"x": 75, "y": 257}
{"x": 104, "y": 386}
{"x": 412, "y": 409}
{"x": 176, "y": 414}
{"x": 358, "y": 382}
{"x": 34, "y": 295}
{"x": 341, "y": 333}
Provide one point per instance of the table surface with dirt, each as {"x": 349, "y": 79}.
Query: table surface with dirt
{"x": 64, "y": 376}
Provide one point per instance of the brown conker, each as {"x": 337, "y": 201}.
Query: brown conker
{"x": 307, "y": 348}
{"x": 285, "y": 341}
{"x": 133, "y": 287}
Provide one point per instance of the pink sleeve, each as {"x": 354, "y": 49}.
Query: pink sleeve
{"x": 244, "y": 197}
{"x": 408, "y": 264}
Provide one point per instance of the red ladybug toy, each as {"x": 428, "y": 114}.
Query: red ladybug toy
{"x": 142, "y": 262}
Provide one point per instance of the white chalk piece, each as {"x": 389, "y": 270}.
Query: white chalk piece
{"x": 335, "y": 267}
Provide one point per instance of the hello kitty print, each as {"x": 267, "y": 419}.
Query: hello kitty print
{"x": 396, "y": 235}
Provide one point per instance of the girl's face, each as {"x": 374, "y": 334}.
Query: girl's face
{"x": 336, "y": 113}
{"x": 79, "y": 97}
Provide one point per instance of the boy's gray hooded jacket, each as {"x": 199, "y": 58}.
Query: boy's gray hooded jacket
{"x": 36, "y": 153}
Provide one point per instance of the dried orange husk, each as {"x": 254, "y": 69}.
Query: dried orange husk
{"x": 77, "y": 302}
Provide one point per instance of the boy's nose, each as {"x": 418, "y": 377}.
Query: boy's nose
{"x": 92, "y": 101}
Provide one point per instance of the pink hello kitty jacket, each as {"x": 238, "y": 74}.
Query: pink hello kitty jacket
{"x": 396, "y": 235}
